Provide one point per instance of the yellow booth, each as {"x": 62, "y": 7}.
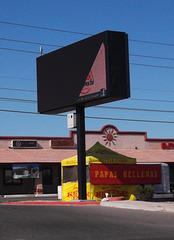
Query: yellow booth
{"x": 102, "y": 174}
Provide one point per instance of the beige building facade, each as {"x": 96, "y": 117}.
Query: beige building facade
{"x": 48, "y": 152}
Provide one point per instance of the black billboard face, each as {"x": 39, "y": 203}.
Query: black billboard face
{"x": 89, "y": 72}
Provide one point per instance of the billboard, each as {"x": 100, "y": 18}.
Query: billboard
{"x": 89, "y": 72}
{"x": 125, "y": 174}
{"x": 25, "y": 170}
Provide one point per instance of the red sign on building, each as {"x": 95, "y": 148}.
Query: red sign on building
{"x": 167, "y": 145}
{"x": 125, "y": 174}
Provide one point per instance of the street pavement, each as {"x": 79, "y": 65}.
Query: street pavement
{"x": 159, "y": 204}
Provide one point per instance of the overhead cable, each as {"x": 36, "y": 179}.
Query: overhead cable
{"x": 29, "y": 42}
{"x": 79, "y": 33}
{"x": 102, "y": 107}
{"x": 17, "y": 89}
{"x": 97, "y": 118}
{"x": 151, "y": 42}
{"x": 19, "y": 50}
{"x": 135, "y": 109}
{"x": 133, "y": 99}
{"x": 44, "y": 28}
{"x": 17, "y": 100}
{"x": 137, "y": 64}
{"x": 59, "y": 46}
{"x": 151, "y": 65}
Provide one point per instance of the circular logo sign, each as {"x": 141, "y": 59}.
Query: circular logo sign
{"x": 109, "y": 136}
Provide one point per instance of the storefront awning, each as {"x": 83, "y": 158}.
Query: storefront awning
{"x": 57, "y": 155}
{"x": 35, "y": 155}
{"x": 149, "y": 155}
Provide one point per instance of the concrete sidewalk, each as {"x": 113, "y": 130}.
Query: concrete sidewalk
{"x": 140, "y": 205}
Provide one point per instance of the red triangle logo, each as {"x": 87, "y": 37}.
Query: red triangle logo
{"x": 96, "y": 80}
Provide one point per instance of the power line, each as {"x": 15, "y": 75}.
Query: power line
{"x": 134, "y": 99}
{"x": 24, "y": 90}
{"x": 131, "y": 120}
{"x": 59, "y": 46}
{"x": 15, "y": 111}
{"x": 26, "y": 112}
{"x": 150, "y": 65}
{"x": 154, "y": 90}
{"x": 45, "y": 44}
{"x": 17, "y": 89}
{"x": 45, "y": 28}
{"x": 12, "y": 77}
{"x": 97, "y": 118}
{"x": 135, "y": 109}
{"x": 151, "y": 42}
{"x": 151, "y": 100}
{"x": 64, "y": 31}
{"x": 29, "y": 42}
{"x": 137, "y": 64}
{"x": 154, "y": 57}
{"x": 17, "y": 100}
{"x": 19, "y": 50}
{"x": 79, "y": 33}
{"x": 103, "y": 107}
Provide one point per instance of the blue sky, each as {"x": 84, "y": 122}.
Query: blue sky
{"x": 149, "y": 25}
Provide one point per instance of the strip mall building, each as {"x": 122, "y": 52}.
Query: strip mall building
{"x": 48, "y": 152}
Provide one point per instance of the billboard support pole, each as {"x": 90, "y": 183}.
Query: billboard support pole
{"x": 81, "y": 151}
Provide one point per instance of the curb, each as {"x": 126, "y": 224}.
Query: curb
{"x": 29, "y": 195}
{"x": 115, "y": 198}
{"x": 51, "y": 203}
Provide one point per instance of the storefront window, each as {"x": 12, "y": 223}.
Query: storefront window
{"x": 8, "y": 178}
{"x": 70, "y": 174}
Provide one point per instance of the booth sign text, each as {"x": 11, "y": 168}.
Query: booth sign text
{"x": 125, "y": 174}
